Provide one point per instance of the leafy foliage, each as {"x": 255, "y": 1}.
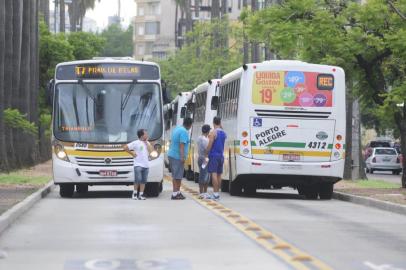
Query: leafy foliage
{"x": 118, "y": 42}
{"x": 14, "y": 119}
{"x": 202, "y": 58}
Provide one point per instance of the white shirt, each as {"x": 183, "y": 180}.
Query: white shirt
{"x": 141, "y": 150}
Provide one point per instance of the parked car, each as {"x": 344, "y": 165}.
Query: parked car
{"x": 373, "y": 144}
{"x": 384, "y": 159}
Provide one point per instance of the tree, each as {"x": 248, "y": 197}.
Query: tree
{"x": 85, "y": 45}
{"x": 184, "y": 71}
{"x": 3, "y": 154}
{"x": 368, "y": 41}
{"x": 77, "y": 11}
{"x": 117, "y": 41}
{"x": 62, "y": 16}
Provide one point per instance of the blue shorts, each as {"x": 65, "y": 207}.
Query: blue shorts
{"x": 177, "y": 168}
{"x": 215, "y": 164}
{"x": 140, "y": 175}
{"x": 203, "y": 173}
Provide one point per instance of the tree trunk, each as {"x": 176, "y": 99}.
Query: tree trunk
{"x": 25, "y": 75}
{"x": 73, "y": 15}
{"x": 62, "y": 16}
{"x": 44, "y": 9}
{"x": 400, "y": 120}
{"x": 176, "y": 26}
{"x": 348, "y": 133}
{"x": 215, "y": 9}
{"x": 8, "y": 82}
{"x": 16, "y": 97}
{"x": 224, "y": 8}
{"x": 255, "y": 45}
{"x": 246, "y": 43}
{"x": 3, "y": 154}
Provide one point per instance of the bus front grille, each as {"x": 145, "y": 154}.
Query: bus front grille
{"x": 104, "y": 162}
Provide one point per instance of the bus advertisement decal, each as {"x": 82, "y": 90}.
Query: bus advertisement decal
{"x": 266, "y": 137}
{"x": 292, "y": 88}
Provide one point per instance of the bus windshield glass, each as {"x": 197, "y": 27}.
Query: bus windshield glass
{"x": 107, "y": 112}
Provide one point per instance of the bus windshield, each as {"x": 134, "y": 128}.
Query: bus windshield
{"x": 107, "y": 112}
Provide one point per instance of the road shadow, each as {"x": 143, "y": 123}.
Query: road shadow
{"x": 103, "y": 194}
{"x": 273, "y": 194}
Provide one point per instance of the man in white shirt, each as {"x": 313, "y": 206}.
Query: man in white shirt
{"x": 140, "y": 150}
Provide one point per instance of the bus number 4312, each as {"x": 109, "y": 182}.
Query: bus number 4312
{"x": 317, "y": 145}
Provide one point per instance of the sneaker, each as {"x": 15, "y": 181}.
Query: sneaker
{"x": 134, "y": 197}
{"x": 202, "y": 196}
{"x": 215, "y": 197}
{"x": 141, "y": 198}
{"x": 176, "y": 197}
{"x": 181, "y": 197}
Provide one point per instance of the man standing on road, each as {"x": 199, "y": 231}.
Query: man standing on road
{"x": 140, "y": 150}
{"x": 202, "y": 143}
{"x": 177, "y": 154}
{"x": 215, "y": 153}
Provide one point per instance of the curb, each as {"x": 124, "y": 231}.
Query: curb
{"x": 370, "y": 202}
{"x": 12, "y": 214}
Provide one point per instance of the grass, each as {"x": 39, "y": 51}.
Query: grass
{"x": 372, "y": 183}
{"x": 19, "y": 179}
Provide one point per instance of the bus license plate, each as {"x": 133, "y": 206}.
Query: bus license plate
{"x": 108, "y": 173}
{"x": 291, "y": 157}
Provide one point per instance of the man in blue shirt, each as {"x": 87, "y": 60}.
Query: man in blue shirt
{"x": 215, "y": 153}
{"x": 177, "y": 155}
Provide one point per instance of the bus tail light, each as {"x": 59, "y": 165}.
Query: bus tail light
{"x": 374, "y": 160}
{"x": 244, "y": 134}
{"x": 339, "y": 137}
{"x": 338, "y": 146}
{"x": 60, "y": 152}
{"x": 245, "y": 143}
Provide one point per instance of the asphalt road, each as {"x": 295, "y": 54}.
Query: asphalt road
{"x": 105, "y": 230}
{"x": 386, "y": 176}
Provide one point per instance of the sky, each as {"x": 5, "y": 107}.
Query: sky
{"x": 107, "y": 8}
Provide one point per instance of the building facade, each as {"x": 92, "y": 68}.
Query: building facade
{"x": 159, "y": 28}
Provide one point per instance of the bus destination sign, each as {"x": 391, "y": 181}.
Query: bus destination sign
{"x": 325, "y": 82}
{"x": 107, "y": 71}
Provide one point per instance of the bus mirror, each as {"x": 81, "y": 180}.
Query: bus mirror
{"x": 50, "y": 92}
{"x": 214, "y": 103}
{"x": 183, "y": 112}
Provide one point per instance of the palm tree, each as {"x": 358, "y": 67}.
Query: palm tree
{"x": 77, "y": 11}
{"x": 62, "y": 16}
{"x": 44, "y": 10}
{"x": 3, "y": 153}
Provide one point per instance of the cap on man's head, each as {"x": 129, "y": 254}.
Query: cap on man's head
{"x": 206, "y": 128}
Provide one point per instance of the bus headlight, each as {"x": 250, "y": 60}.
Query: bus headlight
{"x": 156, "y": 152}
{"x": 60, "y": 152}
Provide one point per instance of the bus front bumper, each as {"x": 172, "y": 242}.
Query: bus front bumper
{"x": 67, "y": 172}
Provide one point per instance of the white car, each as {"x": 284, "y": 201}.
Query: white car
{"x": 384, "y": 159}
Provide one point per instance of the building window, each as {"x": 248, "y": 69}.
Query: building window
{"x": 149, "y": 46}
{"x": 141, "y": 30}
{"x": 154, "y": 8}
{"x": 141, "y": 11}
{"x": 152, "y": 28}
{"x": 140, "y": 49}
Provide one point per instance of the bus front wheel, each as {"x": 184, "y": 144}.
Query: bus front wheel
{"x": 66, "y": 190}
{"x": 152, "y": 189}
{"x": 82, "y": 188}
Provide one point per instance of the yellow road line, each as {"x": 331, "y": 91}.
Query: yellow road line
{"x": 293, "y": 256}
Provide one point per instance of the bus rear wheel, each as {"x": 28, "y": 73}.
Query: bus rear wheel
{"x": 82, "y": 188}
{"x": 311, "y": 192}
{"x": 326, "y": 191}
{"x": 225, "y": 185}
{"x": 66, "y": 190}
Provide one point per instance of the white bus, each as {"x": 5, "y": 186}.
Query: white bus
{"x": 98, "y": 106}
{"x": 285, "y": 122}
{"x": 203, "y": 114}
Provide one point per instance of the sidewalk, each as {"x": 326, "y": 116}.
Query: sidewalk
{"x": 18, "y": 185}
{"x": 375, "y": 189}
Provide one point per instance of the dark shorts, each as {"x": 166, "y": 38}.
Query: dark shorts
{"x": 203, "y": 173}
{"x": 140, "y": 175}
{"x": 215, "y": 165}
{"x": 177, "y": 169}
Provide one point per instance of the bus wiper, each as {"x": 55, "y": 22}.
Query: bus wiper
{"x": 88, "y": 92}
{"x": 127, "y": 96}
